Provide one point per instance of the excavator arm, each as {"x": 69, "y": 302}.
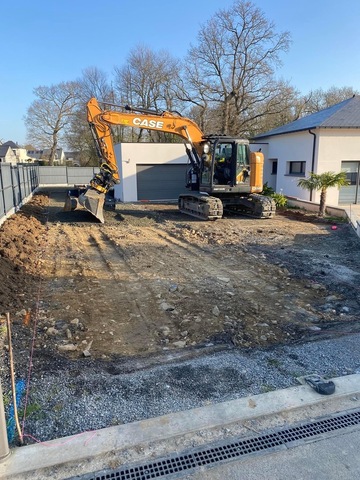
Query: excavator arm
{"x": 101, "y": 121}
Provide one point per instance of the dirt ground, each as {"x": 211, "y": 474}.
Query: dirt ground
{"x": 152, "y": 280}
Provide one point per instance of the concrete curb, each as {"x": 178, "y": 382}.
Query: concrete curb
{"x": 89, "y": 445}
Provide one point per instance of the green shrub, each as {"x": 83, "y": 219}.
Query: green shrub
{"x": 279, "y": 198}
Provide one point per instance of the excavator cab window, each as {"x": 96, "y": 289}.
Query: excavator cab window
{"x": 242, "y": 164}
{"x": 224, "y": 163}
{"x": 206, "y": 167}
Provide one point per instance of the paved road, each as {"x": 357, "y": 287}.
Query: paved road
{"x": 334, "y": 458}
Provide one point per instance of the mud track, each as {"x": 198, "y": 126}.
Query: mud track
{"x": 152, "y": 281}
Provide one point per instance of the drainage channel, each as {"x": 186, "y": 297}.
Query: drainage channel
{"x": 274, "y": 440}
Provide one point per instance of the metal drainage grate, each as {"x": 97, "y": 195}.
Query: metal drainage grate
{"x": 227, "y": 451}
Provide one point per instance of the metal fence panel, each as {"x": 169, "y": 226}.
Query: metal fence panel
{"x": 34, "y": 174}
{"x": 15, "y": 178}
{"x": 53, "y": 175}
{"x": 21, "y": 170}
{"x": 2, "y": 209}
{"x": 7, "y": 191}
{"x": 16, "y": 183}
{"x": 80, "y": 175}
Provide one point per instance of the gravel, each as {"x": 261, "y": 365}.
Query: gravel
{"x": 87, "y": 395}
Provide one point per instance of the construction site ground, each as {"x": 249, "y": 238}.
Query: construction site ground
{"x": 152, "y": 286}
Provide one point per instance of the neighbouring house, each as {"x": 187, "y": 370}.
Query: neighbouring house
{"x": 43, "y": 154}
{"x": 7, "y": 155}
{"x": 20, "y": 152}
{"x": 72, "y": 159}
{"x": 328, "y": 140}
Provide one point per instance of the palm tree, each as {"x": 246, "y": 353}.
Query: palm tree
{"x": 322, "y": 182}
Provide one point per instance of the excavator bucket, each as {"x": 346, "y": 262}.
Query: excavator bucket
{"x": 71, "y": 203}
{"x": 89, "y": 199}
{"x": 93, "y": 202}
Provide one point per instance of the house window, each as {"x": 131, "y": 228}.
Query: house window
{"x": 274, "y": 165}
{"x": 297, "y": 168}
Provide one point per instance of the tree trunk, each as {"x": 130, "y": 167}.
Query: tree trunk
{"x": 53, "y": 149}
{"x": 322, "y": 202}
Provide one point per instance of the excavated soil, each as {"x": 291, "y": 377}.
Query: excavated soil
{"x": 152, "y": 282}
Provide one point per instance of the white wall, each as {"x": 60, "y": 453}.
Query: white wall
{"x": 129, "y": 155}
{"x": 333, "y": 146}
{"x": 336, "y": 146}
{"x": 296, "y": 147}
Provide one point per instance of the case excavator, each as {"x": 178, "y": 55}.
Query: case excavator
{"x": 223, "y": 174}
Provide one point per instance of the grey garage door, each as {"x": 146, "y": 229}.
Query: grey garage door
{"x": 160, "y": 182}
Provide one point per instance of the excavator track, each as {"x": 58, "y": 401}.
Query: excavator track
{"x": 201, "y": 206}
{"x": 254, "y": 205}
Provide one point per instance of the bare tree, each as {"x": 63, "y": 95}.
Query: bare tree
{"x": 93, "y": 83}
{"x": 234, "y": 63}
{"x": 319, "y": 99}
{"x": 147, "y": 80}
{"x": 50, "y": 114}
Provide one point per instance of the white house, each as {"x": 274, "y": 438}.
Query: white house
{"x": 20, "y": 153}
{"x": 7, "y": 155}
{"x": 150, "y": 171}
{"x": 43, "y": 154}
{"x": 328, "y": 140}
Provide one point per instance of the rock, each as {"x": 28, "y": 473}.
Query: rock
{"x": 344, "y": 309}
{"x": 180, "y": 344}
{"x": 224, "y": 279}
{"x": 75, "y": 322}
{"x": 314, "y": 328}
{"x": 68, "y": 334}
{"x": 173, "y": 288}
{"x": 67, "y": 348}
{"x": 216, "y": 311}
{"x": 315, "y": 286}
{"x": 166, "y": 307}
{"x": 86, "y": 352}
{"x": 184, "y": 333}
{"x": 51, "y": 331}
{"x": 165, "y": 331}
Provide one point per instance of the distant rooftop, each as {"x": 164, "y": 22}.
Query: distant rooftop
{"x": 345, "y": 114}
{"x": 11, "y": 144}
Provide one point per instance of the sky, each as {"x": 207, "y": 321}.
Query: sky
{"x": 45, "y": 42}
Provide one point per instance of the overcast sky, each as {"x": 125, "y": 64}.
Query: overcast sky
{"x": 45, "y": 42}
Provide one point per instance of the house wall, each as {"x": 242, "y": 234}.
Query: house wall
{"x": 333, "y": 146}
{"x": 129, "y": 155}
{"x": 21, "y": 154}
{"x": 296, "y": 147}
{"x": 9, "y": 157}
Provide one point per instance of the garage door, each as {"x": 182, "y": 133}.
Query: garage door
{"x": 160, "y": 182}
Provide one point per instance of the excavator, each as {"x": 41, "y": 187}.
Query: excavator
{"x": 223, "y": 174}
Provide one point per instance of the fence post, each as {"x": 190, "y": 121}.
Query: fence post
{"x": 4, "y": 444}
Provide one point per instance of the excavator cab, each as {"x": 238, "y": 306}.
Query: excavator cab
{"x": 227, "y": 163}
